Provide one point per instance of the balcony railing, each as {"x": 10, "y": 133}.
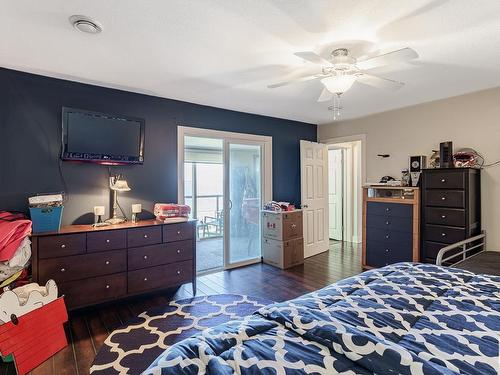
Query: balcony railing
{"x": 207, "y": 209}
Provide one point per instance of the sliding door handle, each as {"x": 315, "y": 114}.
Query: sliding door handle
{"x": 230, "y": 204}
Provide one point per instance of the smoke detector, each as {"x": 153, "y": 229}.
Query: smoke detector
{"x": 85, "y": 24}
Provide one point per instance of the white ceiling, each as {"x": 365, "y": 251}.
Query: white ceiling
{"x": 224, "y": 53}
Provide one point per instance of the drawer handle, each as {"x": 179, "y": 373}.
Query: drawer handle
{"x": 386, "y": 250}
{"x": 443, "y": 216}
{"x": 107, "y": 286}
{"x": 443, "y": 180}
{"x": 387, "y": 236}
{"x": 443, "y": 234}
{"x": 145, "y": 279}
{"x": 145, "y": 257}
{"x": 387, "y": 222}
{"x": 178, "y": 232}
{"x": 443, "y": 198}
{"x": 107, "y": 241}
{"x": 178, "y": 272}
{"x": 387, "y": 209}
{"x": 107, "y": 262}
{"x": 145, "y": 236}
{"x": 63, "y": 246}
{"x": 63, "y": 269}
{"x": 178, "y": 251}
{"x": 294, "y": 226}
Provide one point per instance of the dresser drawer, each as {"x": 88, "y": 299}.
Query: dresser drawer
{"x": 447, "y": 235}
{"x": 106, "y": 240}
{"x": 160, "y": 277}
{"x": 445, "y": 180}
{"x": 401, "y": 224}
{"x": 445, "y": 216}
{"x": 177, "y": 232}
{"x": 394, "y": 238}
{"x": 155, "y": 255}
{"x": 431, "y": 249}
{"x": 82, "y": 266}
{"x": 94, "y": 290}
{"x": 61, "y": 245}
{"x": 445, "y": 198}
{"x": 144, "y": 236}
{"x": 389, "y": 209}
{"x": 379, "y": 254}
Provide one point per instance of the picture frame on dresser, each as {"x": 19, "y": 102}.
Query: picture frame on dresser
{"x": 94, "y": 265}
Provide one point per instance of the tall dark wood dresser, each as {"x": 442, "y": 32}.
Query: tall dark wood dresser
{"x": 94, "y": 265}
{"x": 451, "y": 208}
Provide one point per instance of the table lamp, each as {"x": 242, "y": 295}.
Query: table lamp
{"x": 116, "y": 184}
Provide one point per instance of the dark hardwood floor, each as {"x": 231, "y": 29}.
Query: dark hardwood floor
{"x": 87, "y": 330}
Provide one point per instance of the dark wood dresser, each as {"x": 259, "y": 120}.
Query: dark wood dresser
{"x": 451, "y": 208}
{"x": 391, "y": 226}
{"x": 94, "y": 265}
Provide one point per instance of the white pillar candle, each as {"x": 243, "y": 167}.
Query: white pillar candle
{"x": 136, "y": 208}
{"x": 99, "y": 210}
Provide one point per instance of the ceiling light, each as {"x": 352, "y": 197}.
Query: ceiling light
{"x": 85, "y": 24}
{"x": 338, "y": 84}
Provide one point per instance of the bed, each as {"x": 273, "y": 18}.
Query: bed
{"x": 401, "y": 319}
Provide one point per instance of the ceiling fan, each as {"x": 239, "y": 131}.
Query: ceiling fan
{"x": 339, "y": 73}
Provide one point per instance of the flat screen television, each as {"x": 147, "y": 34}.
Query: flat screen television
{"x": 101, "y": 138}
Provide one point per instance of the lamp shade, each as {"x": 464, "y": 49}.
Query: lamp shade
{"x": 338, "y": 84}
{"x": 120, "y": 185}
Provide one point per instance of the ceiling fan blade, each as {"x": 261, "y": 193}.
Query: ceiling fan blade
{"x": 379, "y": 82}
{"x": 300, "y": 79}
{"x": 325, "y": 96}
{"x": 312, "y": 57}
{"x": 401, "y": 55}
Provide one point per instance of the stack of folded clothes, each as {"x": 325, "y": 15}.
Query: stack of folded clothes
{"x": 168, "y": 211}
{"x": 15, "y": 249}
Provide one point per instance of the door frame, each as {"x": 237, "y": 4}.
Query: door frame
{"x": 343, "y": 188}
{"x": 331, "y": 142}
{"x": 266, "y": 143}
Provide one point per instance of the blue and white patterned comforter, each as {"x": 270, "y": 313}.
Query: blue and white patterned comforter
{"x": 400, "y": 319}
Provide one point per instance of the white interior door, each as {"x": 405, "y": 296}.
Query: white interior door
{"x": 335, "y": 196}
{"x": 314, "y": 192}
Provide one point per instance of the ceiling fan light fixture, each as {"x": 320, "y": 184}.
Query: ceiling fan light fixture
{"x": 338, "y": 84}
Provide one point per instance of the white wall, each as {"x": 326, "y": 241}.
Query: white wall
{"x": 471, "y": 120}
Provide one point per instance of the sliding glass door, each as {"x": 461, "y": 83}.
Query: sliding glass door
{"x": 225, "y": 178}
{"x": 244, "y": 200}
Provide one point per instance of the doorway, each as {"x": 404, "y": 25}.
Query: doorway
{"x": 344, "y": 191}
{"x": 225, "y": 177}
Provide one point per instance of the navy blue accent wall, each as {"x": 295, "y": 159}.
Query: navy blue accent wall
{"x": 30, "y": 131}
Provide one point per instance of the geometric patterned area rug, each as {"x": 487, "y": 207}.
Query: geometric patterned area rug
{"x": 133, "y": 347}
